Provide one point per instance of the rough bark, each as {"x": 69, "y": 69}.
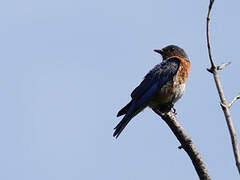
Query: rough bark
{"x": 186, "y": 143}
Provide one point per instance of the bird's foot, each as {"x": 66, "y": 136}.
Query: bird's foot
{"x": 174, "y": 111}
{"x": 165, "y": 108}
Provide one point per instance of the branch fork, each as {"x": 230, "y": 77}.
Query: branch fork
{"x": 217, "y": 68}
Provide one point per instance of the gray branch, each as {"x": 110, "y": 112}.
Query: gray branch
{"x": 186, "y": 144}
{"x": 225, "y": 107}
{"x": 234, "y": 99}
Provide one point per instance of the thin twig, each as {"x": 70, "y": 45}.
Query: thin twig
{"x": 234, "y": 99}
{"x": 186, "y": 143}
{"x": 224, "y": 105}
{"x": 223, "y": 65}
{"x": 213, "y": 65}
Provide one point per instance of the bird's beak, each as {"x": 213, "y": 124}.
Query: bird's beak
{"x": 158, "y": 51}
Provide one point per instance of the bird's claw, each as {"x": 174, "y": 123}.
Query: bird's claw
{"x": 174, "y": 111}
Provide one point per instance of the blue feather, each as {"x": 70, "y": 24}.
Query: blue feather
{"x": 152, "y": 83}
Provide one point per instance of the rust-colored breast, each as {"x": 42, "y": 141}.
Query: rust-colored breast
{"x": 183, "y": 71}
{"x": 175, "y": 88}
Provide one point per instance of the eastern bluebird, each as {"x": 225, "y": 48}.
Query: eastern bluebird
{"x": 161, "y": 87}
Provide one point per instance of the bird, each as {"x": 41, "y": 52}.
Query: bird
{"x": 161, "y": 87}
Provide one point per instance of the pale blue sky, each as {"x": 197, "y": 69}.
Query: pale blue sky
{"x": 67, "y": 67}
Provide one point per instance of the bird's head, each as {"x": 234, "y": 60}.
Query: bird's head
{"x": 171, "y": 50}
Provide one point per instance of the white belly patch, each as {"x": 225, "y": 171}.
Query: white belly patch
{"x": 179, "y": 92}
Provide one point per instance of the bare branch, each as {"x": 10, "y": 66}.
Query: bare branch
{"x": 225, "y": 107}
{"x": 234, "y": 99}
{"x": 186, "y": 143}
{"x": 223, "y": 65}
{"x": 213, "y": 65}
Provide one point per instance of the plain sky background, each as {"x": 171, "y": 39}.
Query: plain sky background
{"x": 68, "y": 66}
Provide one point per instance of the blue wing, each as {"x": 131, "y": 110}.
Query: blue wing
{"x": 162, "y": 73}
{"x": 153, "y": 81}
